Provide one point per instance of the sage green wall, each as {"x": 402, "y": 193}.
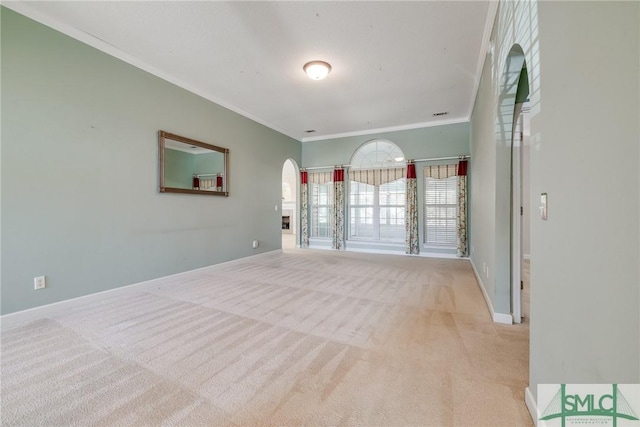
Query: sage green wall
{"x": 583, "y": 68}
{"x": 206, "y": 163}
{"x": 423, "y": 143}
{"x": 436, "y": 141}
{"x": 482, "y": 168}
{"x": 179, "y": 168}
{"x": 585, "y": 258}
{"x": 80, "y": 202}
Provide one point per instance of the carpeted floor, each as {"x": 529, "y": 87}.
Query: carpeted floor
{"x": 301, "y": 337}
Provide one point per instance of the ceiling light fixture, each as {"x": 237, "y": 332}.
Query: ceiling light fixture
{"x": 317, "y": 70}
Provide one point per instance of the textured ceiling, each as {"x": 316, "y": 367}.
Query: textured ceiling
{"x": 395, "y": 64}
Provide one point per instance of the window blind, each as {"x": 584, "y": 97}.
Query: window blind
{"x": 440, "y": 213}
{"x": 320, "y": 203}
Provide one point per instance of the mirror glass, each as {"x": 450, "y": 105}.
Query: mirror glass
{"x": 192, "y": 167}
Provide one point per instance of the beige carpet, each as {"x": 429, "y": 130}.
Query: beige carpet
{"x": 298, "y": 338}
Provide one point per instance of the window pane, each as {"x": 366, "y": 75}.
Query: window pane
{"x": 377, "y": 212}
{"x": 392, "y": 208}
{"x": 320, "y": 209}
{"x": 440, "y": 212}
{"x": 361, "y": 208}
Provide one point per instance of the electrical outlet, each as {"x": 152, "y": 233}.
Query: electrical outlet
{"x": 39, "y": 282}
{"x": 255, "y": 244}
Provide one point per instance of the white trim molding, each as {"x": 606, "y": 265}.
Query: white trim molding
{"x": 19, "y": 317}
{"x": 23, "y": 8}
{"x": 532, "y": 406}
{"x": 503, "y": 318}
{"x": 388, "y": 129}
{"x": 485, "y": 49}
{"x": 506, "y": 319}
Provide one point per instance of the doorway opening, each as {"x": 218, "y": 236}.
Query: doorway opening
{"x": 521, "y": 213}
{"x": 511, "y": 232}
{"x": 515, "y": 122}
{"x": 289, "y": 207}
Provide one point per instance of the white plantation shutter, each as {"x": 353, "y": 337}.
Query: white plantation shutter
{"x": 320, "y": 204}
{"x": 440, "y": 213}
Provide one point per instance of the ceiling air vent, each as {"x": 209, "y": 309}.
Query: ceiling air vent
{"x": 442, "y": 113}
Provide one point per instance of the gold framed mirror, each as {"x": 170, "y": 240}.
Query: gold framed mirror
{"x": 192, "y": 167}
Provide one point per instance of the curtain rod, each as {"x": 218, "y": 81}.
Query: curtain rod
{"x": 325, "y": 167}
{"x": 433, "y": 159}
{"x": 466, "y": 156}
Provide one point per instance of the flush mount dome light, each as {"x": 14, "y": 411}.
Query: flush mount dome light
{"x": 317, "y": 70}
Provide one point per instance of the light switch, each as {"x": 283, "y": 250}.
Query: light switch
{"x": 543, "y": 206}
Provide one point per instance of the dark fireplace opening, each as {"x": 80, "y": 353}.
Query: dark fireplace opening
{"x": 285, "y": 222}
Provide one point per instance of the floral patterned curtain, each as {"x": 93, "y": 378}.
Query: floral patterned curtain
{"x": 304, "y": 209}
{"x": 337, "y": 223}
{"x": 461, "y": 249}
{"x": 411, "y": 217}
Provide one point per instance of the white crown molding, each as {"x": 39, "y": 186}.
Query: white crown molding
{"x": 387, "y": 129}
{"x": 484, "y": 48}
{"x": 23, "y": 8}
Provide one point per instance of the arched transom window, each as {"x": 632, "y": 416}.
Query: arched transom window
{"x": 376, "y": 154}
{"x": 377, "y": 193}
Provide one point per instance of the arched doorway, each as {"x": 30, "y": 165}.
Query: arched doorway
{"x": 290, "y": 208}
{"x": 509, "y": 183}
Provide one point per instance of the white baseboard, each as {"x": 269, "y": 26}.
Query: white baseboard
{"x": 12, "y": 319}
{"x": 388, "y": 252}
{"x": 532, "y": 406}
{"x": 507, "y": 319}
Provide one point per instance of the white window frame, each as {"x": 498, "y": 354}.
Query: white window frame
{"x": 376, "y": 218}
{"x": 315, "y": 207}
{"x": 438, "y": 208}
